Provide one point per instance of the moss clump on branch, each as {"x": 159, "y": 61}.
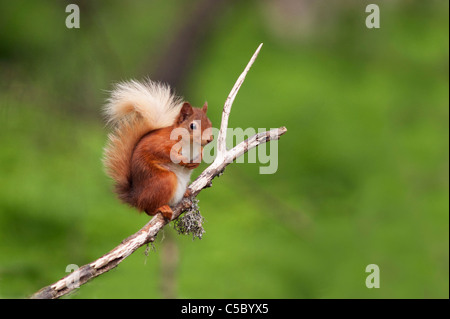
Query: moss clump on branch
{"x": 191, "y": 222}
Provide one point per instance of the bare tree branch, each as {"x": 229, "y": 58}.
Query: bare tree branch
{"x": 222, "y": 137}
{"x": 148, "y": 233}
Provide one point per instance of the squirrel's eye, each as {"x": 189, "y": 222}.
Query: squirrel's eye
{"x": 193, "y": 126}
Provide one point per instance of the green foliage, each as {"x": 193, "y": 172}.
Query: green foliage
{"x": 362, "y": 175}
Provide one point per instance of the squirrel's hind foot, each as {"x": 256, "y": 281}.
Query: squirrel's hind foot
{"x": 166, "y": 211}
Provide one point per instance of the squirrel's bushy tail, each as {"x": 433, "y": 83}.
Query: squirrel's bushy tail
{"x": 134, "y": 109}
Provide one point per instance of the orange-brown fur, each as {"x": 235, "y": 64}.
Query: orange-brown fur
{"x": 144, "y": 179}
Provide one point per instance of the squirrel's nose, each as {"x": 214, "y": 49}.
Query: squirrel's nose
{"x": 209, "y": 140}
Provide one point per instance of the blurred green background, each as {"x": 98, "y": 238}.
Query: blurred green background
{"x": 362, "y": 173}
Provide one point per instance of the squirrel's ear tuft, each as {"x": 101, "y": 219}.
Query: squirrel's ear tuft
{"x": 205, "y": 107}
{"x": 185, "y": 112}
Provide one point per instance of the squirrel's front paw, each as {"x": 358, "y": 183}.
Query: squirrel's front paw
{"x": 191, "y": 165}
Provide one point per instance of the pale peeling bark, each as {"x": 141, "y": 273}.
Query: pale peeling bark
{"x": 148, "y": 233}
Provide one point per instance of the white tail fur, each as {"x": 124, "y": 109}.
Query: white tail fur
{"x": 152, "y": 100}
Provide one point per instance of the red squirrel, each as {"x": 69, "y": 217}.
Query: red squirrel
{"x": 150, "y": 172}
